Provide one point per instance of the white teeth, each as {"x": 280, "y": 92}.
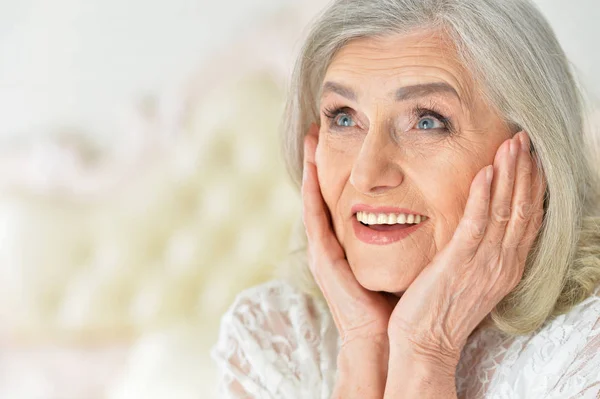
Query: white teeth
{"x": 391, "y": 218}
{"x": 371, "y": 219}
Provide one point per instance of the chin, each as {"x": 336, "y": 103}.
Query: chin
{"x": 393, "y": 279}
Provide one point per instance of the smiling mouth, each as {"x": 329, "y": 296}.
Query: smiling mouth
{"x": 385, "y": 228}
{"x": 389, "y": 221}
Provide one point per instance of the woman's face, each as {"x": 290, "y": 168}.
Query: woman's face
{"x": 402, "y": 129}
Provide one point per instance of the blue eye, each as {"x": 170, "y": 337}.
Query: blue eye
{"x": 344, "y": 120}
{"x": 429, "y": 119}
{"x": 429, "y": 123}
{"x": 339, "y": 117}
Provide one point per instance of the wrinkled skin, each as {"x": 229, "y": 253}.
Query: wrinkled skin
{"x": 427, "y": 292}
{"x": 386, "y": 160}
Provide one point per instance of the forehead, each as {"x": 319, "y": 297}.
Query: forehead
{"x": 418, "y": 57}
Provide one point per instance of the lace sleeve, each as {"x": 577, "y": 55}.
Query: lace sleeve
{"x": 275, "y": 342}
{"x": 560, "y": 361}
{"x": 581, "y": 379}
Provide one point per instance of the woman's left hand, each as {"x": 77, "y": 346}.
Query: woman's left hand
{"x": 481, "y": 264}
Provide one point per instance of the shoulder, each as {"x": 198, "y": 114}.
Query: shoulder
{"x": 275, "y": 338}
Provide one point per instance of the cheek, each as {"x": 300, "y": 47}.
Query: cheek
{"x": 449, "y": 195}
{"x": 445, "y": 184}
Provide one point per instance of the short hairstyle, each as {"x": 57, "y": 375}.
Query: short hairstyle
{"x": 511, "y": 50}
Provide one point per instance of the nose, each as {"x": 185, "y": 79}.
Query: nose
{"x": 376, "y": 170}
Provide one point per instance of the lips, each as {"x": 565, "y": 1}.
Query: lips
{"x": 383, "y": 235}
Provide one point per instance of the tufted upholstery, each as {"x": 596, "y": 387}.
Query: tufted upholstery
{"x": 198, "y": 223}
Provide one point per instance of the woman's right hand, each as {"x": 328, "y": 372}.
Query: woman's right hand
{"x": 361, "y": 316}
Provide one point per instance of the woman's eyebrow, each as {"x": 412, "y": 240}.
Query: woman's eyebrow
{"x": 423, "y": 90}
{"x": 338, "y": 88}
{"x": 402, "y": 94}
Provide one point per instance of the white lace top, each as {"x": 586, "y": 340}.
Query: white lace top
{"x": 276, "y": 342}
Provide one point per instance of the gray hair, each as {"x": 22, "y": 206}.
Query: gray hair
{"x": 509, "y": 48}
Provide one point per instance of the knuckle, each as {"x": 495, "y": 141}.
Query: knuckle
{"x": 538, "y": 218}
{"x": 509, "y": 245}
{"x": 515, "y": 278}
{"x": 525, "y": 169}
{"x": 475, "y": 229}
{"x": 362, "y": 329}
{"x": 501, "y": 213}
{"x": 529, "y": 238}
{"x": 523, "y": 211}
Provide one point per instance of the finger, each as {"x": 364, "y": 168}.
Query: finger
{"x": 521, "y": 200}
{"x": 537, "y": 211}
{"x": 471, "y": 228}
{"x": 327, "y": 261}
{"x": 314, "y": 209}
{"x": 502, "y": 191}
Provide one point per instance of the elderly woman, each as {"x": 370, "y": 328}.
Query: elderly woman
{"x": 450, "y": 211}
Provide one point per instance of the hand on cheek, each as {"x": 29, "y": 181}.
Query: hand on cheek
{"x": 480, "y": 265}
{"x": 357, "y": 312}
{"x": 361, "y": 316}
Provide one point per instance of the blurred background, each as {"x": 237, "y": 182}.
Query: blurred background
{"x": 141, "y": 185}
